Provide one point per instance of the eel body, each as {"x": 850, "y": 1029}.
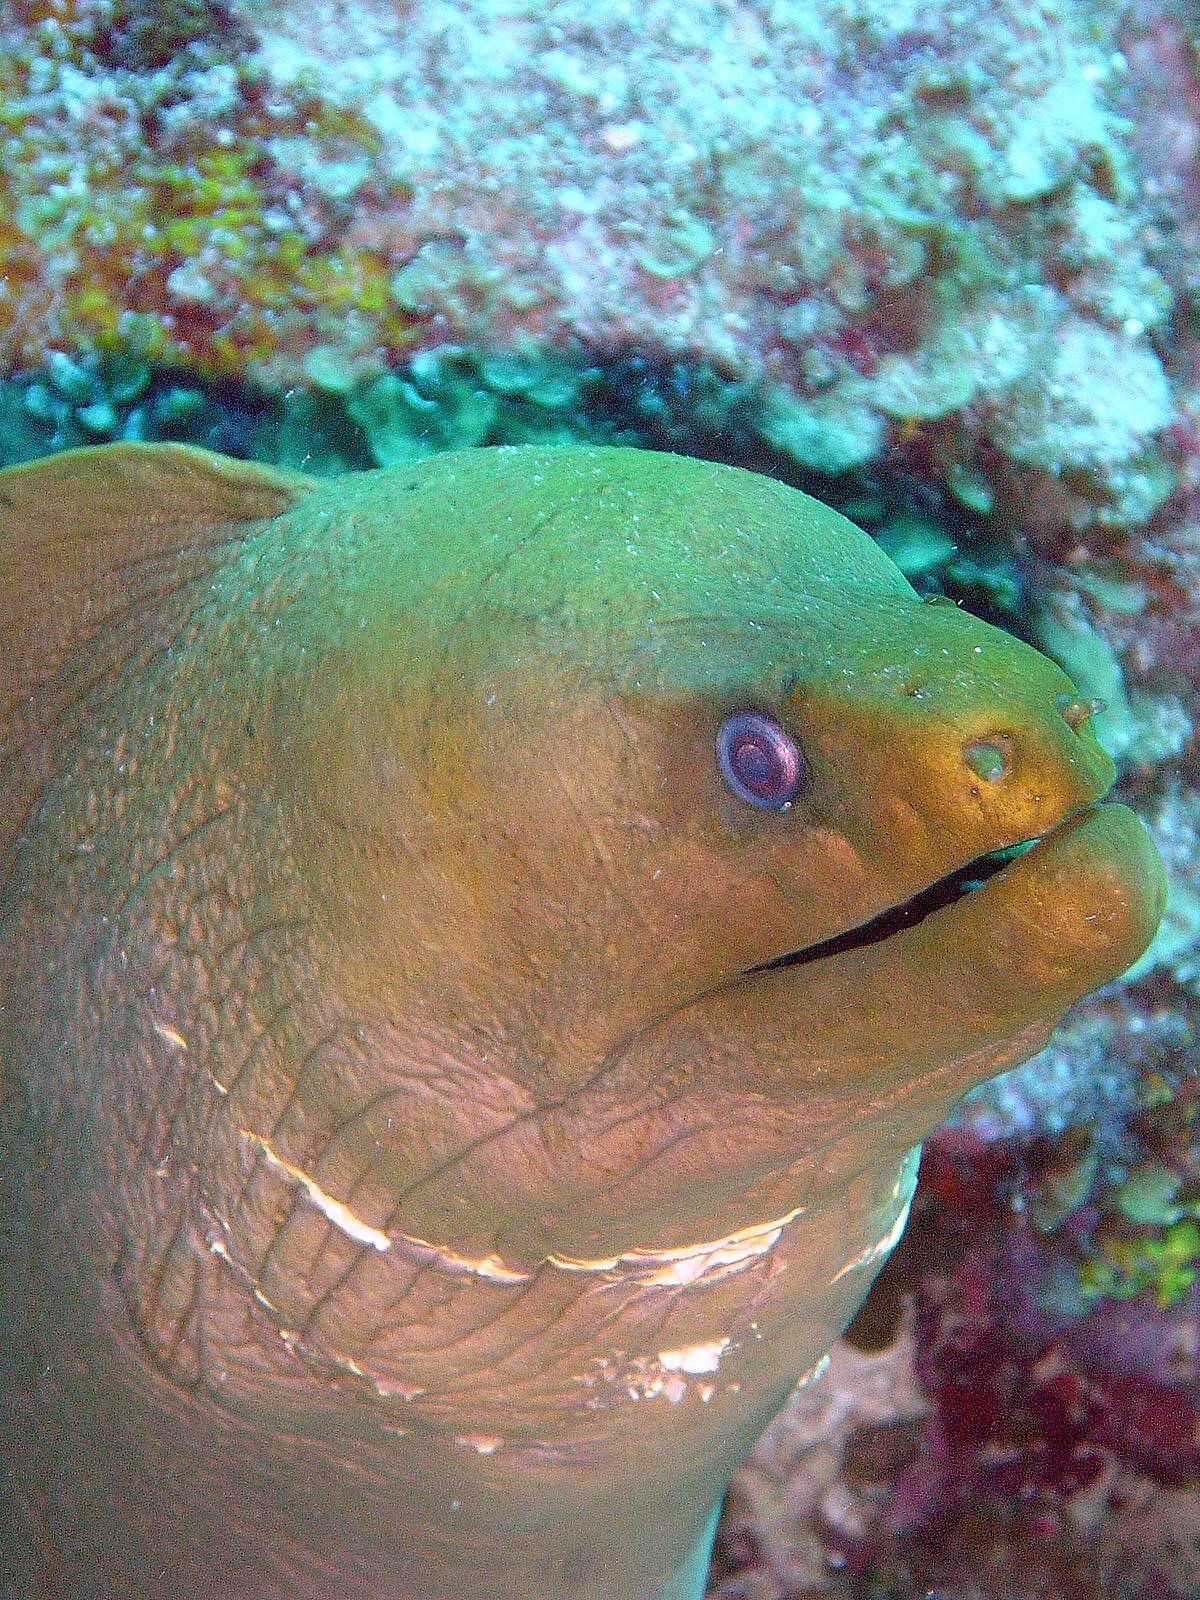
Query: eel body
{"x": 481, "y": 943}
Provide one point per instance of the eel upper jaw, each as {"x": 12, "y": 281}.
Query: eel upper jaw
{"x": 944, "y": 891}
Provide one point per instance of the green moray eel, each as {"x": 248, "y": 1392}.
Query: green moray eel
{"x": 481, "y": 943}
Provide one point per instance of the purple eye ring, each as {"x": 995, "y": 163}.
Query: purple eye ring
{"x": 759, "y": 761}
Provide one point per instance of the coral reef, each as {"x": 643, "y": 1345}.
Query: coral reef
{"x": 916, "y": 230}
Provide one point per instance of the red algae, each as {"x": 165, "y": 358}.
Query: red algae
{"x": 1032, "y": 1425}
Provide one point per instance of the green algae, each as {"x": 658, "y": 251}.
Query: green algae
{"x": 828, "y": 433}
{"x": 676, "y": 248}
{"x": 1162, "y": 1263}
{"x": 915, "y": 543}
{"x": 1148, "y": 1195}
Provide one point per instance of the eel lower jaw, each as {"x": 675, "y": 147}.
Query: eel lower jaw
{"x": 942, "y": 892}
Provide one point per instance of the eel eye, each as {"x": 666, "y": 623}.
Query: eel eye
{"x": 758, "y": 760}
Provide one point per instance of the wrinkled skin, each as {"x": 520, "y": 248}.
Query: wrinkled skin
{"x": 409, "y": 1189}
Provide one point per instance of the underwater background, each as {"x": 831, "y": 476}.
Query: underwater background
{"x": 936, "y": 263}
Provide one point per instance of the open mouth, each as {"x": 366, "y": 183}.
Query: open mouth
{"x": 943, "y": 892}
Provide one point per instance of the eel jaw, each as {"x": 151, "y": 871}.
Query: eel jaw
{"x": 873, "y": 1034}
{"x": 961, "y": 975}
{"x": 944, "y": 891}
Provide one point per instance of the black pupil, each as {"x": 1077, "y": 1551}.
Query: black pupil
{"x": 756, "y": 765}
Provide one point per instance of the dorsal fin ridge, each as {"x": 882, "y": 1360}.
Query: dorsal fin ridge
{"x": 93, "y": 542}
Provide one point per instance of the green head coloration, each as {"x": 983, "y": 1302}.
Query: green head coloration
{"x": 489, "y": 935}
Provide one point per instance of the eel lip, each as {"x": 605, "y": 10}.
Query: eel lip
{"x": 942, "y": 892}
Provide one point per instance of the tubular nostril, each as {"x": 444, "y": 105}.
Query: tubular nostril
{"x": 1075, "y": 711}
{"x": 986, "y": 759}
